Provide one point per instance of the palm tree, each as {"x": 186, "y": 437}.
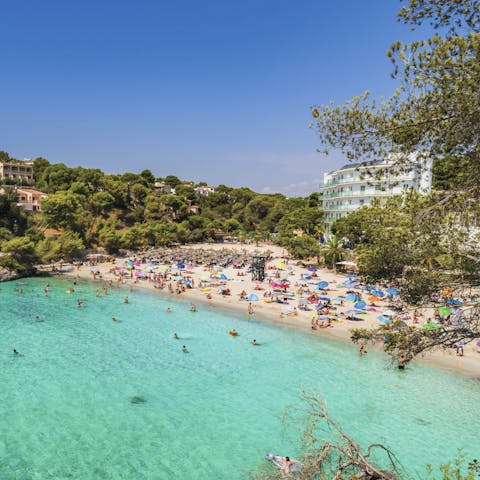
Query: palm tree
{"x": 333, "y": 251}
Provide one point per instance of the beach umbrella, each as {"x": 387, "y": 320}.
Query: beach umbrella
{"x": 371, "y": 309}
{"x": 187, "y": 282}
{"x": 163, "y": 268}
{"x": 384, "y": 319}
{"x": 431, "y": 326}
{"x": 373, "y": 298}
{"x": 69, "y": 268}
{"x": 360, "y": 305}
{"x": 352, "y": 275}
{"x": 177, "y": 277}
{"x": 252, "y": 298}
{"x": 454, "y": 302}
{"x": 323, "y": 317}
{"x": 392, "y": 291}
{"x": 223, "y": 276}
{"x": 307, "y": 276}
{"x": 280, "y": 265}
{"x": 389, "y": 313}
{"x": 478, "y": 344}
{"x": 378, "y": 293}
{"x": 324, "y": 299}
{"x": 312, "y": 269}
{"x": 181, "y": 266}
{"x": 322, "y": 285}
{"x": 275, "y": 284}
{"x": 284, "y": 285}
{"x": 352, "y": 297}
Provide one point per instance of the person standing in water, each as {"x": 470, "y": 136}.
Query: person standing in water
{"x": 184, "y": 349}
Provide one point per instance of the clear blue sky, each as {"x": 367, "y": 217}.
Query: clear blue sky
{"x": 207, "y": 90}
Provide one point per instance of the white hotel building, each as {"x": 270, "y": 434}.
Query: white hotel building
{"x": 355, "y": 185}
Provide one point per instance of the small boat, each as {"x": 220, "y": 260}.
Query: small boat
{"x": 279, "y": 461}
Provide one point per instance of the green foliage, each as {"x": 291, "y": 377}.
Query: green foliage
{"x": 102, "y": 202}
{"x": 92, "y": 209}
{"x": 62, "y": 209}
{"x": 68, "y": 245}
{"x": 303, "y": 247}
{"x": 39, "y": 166}
{"x": 22, "y": 250}
{"x": 333, "y": 251}
{"x": 12, "y": 217}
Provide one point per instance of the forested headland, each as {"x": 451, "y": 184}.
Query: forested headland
{"x": 89, "y": 209}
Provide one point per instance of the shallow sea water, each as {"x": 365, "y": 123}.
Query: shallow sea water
{"x": 92, "y": 399}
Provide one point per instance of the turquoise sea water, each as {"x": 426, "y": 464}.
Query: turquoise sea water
{"x": 92, "y": 399}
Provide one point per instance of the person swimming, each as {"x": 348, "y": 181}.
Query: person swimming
{"x": 286, "y": 466}
{"x": 169, "y": 310}
{"x": 175, "y": 336}
{"x": 15, "y": 352}
{"x": 233, "y": 333}
{"x": 184, "y": 349}
{"x": 114, "y": 319}
{"x": 254, "y": 342}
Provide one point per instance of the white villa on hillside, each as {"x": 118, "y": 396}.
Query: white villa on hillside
{"x": 205, "y": 191}
{"x": 355, "y": 185}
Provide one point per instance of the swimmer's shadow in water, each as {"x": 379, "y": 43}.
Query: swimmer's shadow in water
{"x": 137, "y": 400}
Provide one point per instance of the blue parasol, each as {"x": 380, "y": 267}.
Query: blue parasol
{"x": 352, "y": 297}
{"x": 392, "y": 291}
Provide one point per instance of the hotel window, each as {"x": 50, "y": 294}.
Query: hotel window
{"x": 362, "y": 188}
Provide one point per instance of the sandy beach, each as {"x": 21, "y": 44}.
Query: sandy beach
{"x": 208, "y": 285}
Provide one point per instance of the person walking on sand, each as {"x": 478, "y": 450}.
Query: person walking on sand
{"x": 250, "y": 308}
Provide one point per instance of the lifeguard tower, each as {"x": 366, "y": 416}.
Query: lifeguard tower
{"x": 258, "y": 267}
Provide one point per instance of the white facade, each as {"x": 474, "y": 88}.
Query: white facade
{"x": 356, "y": 185}
{"x": 205, "y": 190}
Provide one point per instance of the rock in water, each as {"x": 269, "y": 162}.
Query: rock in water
{"x": 137, "y": 400}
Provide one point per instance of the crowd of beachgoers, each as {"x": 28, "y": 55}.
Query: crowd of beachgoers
{"x": 292, "y": 292}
